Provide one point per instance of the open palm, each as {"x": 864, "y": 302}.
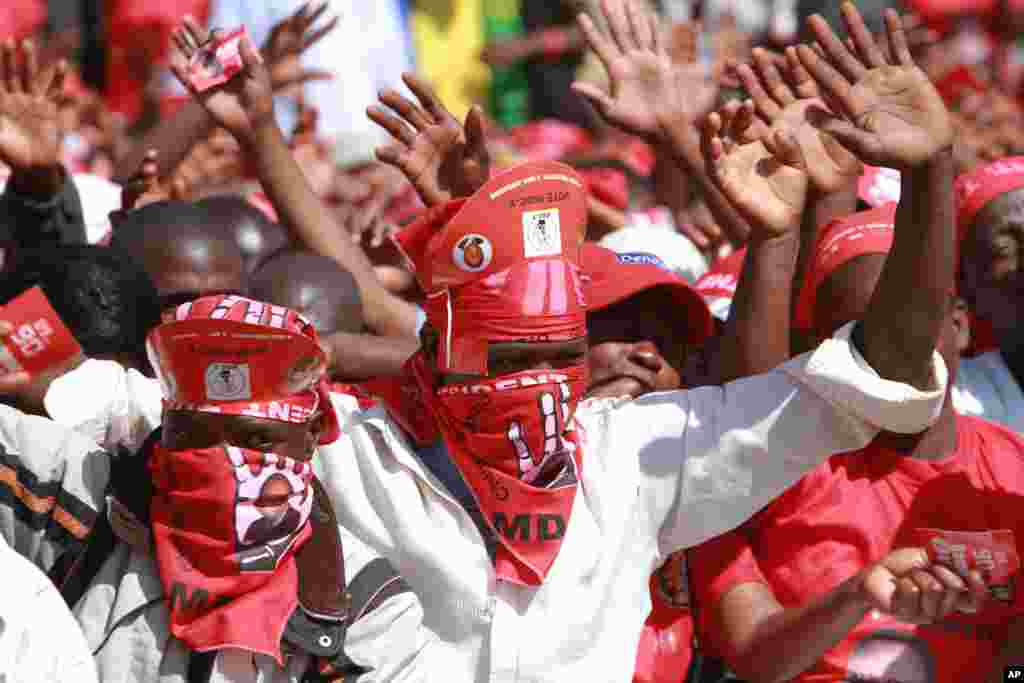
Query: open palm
{"x": 30, "y": 135}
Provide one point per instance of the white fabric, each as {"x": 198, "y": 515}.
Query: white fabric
{"x": 106, "y": 402}
{"x": 660, "y": 239}
{"x": 40, "y": 642}
{"x": 367, "y": 51}
{"x": 99, "y": 197}
{"x": 660, "y": 473}
{"x": 985, "y": 388}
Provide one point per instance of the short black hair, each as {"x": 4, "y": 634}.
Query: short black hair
{"x": 106, "y": 300}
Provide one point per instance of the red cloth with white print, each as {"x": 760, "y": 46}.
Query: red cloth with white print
{"x": 230, "y": 355}
{"x": 977, "y": 188}
{"x": 851, "y": 512}
{"x": 504, "y": 265}
{"x": 227, "y": 523}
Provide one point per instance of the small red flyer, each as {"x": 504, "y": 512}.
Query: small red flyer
{"x": 40, "y": 339}
{"x": 992, "y": 553}
{"x": 217, "y": 62}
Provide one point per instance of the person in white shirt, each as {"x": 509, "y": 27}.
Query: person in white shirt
{"x": 990, "y": 217}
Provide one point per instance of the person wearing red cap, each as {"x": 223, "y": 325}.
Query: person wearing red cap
{"x": 990, "y": 218}
{"x": 226, "y": 558}
{"x": 803, "y": 576}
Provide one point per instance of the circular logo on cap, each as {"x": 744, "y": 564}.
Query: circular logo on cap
{"x": 473, "y": 253}
{"x": 228, "y": 382}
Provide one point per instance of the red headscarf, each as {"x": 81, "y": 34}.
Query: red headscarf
{"x": 976, "y": 189}
{"x": 866, "y": 232}
{"x": 504, "y": 265}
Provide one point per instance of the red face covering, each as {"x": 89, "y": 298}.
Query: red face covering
{"x": 227, "y": 523}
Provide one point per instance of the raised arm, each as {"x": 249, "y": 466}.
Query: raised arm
{"x": 894, "y": 117}
{"x": 244, "y": 106}
{"x": 174, "y": 137}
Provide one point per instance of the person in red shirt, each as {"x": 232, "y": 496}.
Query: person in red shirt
{"x": 826, "y": 583}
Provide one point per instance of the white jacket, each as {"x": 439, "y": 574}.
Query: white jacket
{"x": 660, "y": 473}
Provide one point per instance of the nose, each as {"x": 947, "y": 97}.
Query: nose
{"x": 646, "y": 355}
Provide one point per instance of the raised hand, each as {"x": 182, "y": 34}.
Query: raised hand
{"x": 442, "y": 159}
{"x": 146, "y": 186}
{"x": 648, "y": 89}
{"x": 241, "y": 105}
{"x": 907, "y": 585}
{"x": 30, "y": 134}
{"x": 893, "y": 114}
{"x": 768, "y": 189}
{"x": 287, "y": 42}
{"x": 794, "y": 103}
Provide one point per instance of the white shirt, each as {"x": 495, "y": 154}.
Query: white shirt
{"x": 40, "y": 642}
{"x": 367, "y": 51}
{"x": 985, "y": 388}
{"x": 660, "y": 473}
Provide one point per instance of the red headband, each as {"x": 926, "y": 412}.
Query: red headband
{"x": 976, "y": 189}
{"x": 235, "y": 356}
{"x": 502, "y": 265}
{"x": 844, "y": 239}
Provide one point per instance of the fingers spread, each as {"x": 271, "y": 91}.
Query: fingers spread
{"x": 837, "y": 52}
{"x": 392, "y": 124}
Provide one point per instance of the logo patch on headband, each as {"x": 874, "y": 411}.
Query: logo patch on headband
{"x": 542, "y": 233}
{"x": 228, "y": 382}
{"x": 473, "y": 253}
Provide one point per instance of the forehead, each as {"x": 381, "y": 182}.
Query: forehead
{"x": 1004, "y": 211}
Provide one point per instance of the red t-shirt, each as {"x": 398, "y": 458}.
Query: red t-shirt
{"x": 666, "y": 642}
{"x": 849, "y": 513}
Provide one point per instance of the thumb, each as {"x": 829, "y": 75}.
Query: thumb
{"x": 598, "y": 97}
{"x": 862, "y": 144}
{"x": 476, "y": 139}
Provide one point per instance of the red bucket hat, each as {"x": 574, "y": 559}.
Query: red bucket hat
{"x": 234, "y": 356}
{"x": 502, "y": 265}
{"x": 611, "y": 278}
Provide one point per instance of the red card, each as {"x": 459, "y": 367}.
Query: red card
{"x": 40, "y": 339}
{"x": 992, "y": 553}
{"x": 217, "y": 62}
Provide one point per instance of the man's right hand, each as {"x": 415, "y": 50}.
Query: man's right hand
{"x": 908, "y": 586}
{"x": 30, "y": 135}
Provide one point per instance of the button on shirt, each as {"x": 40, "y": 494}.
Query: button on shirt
{"x": 660, "y": 473}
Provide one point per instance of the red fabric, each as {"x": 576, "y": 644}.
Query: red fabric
{"x": 502, "y": 265}
{"x": 227, "y": 523}
{"x": 666, "y": 641}
{"x": 232, "y": 355}
{"x": 852, "y": 511}
{"x": 718, "y": 285}
{"x": 609, "y": 185}
{"x": 842, "y": 240}
{"x": 976, "y": 189}
{"x": 512, "y": 440}
{"x": 611, "y": 278}
{"x": 549, "y": 140}
{"x": 20, "y": 19}
{"x": 983, "y": 335}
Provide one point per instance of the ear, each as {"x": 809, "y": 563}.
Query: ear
{"x": 961, "y": 325}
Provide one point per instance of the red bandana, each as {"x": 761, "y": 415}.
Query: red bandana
{"x": 976, "y": 189}
{"x": 227, "y": 522}
{"x": 504, "y": 266}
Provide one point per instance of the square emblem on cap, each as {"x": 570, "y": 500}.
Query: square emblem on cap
{"x": 228, "y": 382}
{"x": 542, "y": 233}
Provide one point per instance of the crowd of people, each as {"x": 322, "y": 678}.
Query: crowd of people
{"x": 698, "y": 362}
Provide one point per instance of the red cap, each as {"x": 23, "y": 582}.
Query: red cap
{"x": 610, "y": 185}
{"x": 235, "y": 356}
{"x": 865, "y": 232}
{"x": 611, "y": 278}
{"x": 502, "y": 265}
{"x": 718, "y": 285}
{"x": 976, "y": 189}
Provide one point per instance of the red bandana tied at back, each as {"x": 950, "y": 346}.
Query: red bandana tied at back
{"x": 503, "y": 266}
{"x": 227, "y": 521}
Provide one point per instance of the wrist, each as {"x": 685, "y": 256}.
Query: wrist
{"x": 262, "y": 132}
{"x": 854, "y": 591}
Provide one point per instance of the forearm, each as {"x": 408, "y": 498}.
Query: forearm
{"x": 680, "y": 141}
{"x": 359, "y": 357}
{"x": 821, "y": 209}
{"x": 173, "y": 139}
{"x": 314, "y": 225}
{"x": 784, "y": 644}
{"x": 899, "y": 330}
{"x": 43, "y": 208}
{"x": 756, "y": 336}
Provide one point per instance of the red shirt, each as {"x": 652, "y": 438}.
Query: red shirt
{"x": 666, "y": 642}
{"x": 849, "y": 513}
